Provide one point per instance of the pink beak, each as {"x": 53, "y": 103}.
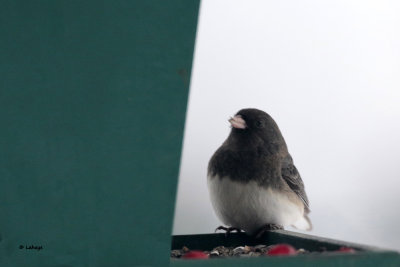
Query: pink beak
{"x": 238, "y": 122}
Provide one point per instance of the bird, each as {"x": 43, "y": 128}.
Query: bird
{"x": 253, "y": 183}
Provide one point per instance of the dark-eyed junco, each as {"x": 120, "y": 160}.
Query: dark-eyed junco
{"x": 253, "y": 183}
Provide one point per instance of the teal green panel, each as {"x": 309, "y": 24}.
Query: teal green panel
{"x": 93, "y": 97}
{"x": 367, "y": 259}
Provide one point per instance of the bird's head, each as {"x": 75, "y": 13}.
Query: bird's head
{"x": 254, "y": 125}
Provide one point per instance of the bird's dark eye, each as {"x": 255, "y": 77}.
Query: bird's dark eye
{"x": 259, "y": 124}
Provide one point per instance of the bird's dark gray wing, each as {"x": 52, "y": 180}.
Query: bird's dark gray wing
{"x": 292, "y": 177}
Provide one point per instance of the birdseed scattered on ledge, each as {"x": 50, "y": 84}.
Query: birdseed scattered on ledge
{"x": 250, "y": 251}
{"x": 241, "y": 251}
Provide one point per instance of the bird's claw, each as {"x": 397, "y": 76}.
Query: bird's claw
{"x": 227, "y": 230}
{"x": 268, "y": 227}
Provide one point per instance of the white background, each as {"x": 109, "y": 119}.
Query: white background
{"x": 328, "y": 72}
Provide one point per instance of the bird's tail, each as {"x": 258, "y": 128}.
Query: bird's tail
{"x": 304, "y": 223}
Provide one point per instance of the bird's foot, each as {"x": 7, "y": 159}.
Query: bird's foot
{"x": 228, "y": 230}
{"x": 268, "y": 227}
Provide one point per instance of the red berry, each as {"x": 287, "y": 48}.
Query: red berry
{"x": 195, "y": 254}
{"x": 281, "y": 249}
{"x": 346, "y": 250}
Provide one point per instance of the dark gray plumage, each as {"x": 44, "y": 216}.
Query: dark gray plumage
{"x": 252, "y": 180}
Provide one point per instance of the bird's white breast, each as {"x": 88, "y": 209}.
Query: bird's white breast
{"x": 249, "y": 206}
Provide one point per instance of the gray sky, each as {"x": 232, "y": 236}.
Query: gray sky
{"x": 328, "y": 72}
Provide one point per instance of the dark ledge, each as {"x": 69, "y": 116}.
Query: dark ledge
{"x": 298, "y": 240}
